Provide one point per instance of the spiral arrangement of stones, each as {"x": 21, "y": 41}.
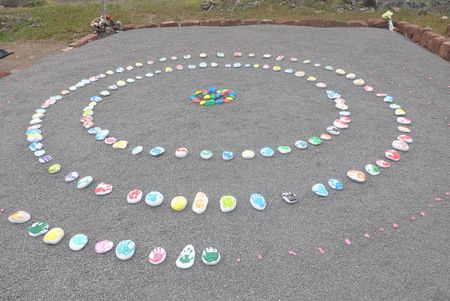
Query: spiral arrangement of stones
{"x": 210, "y": 256}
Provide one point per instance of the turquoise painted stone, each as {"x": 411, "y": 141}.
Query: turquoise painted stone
{"x": 227, "y": 155}
{"x": 395, "y": 106}
{"x": 94, "y": 130}
{"x": 372, "y": 169}
{"x": 39, "y": 153}
{"x": 35, "y": 146}
{"x": 206, "y": 154}
{"x": 84, "y": 182}
{"x": 388, "y": 99}
{"x": 101, "y": 135}
{"x": 258, "y": 201}
{"x": 125, "y": 249}
{"x": 284, "y": 149}
{"x": 335, "y": 184}
{"x": 154, "y": 198}
{"x": 96, "y": 98}
{"x": 38, "y": 228}
{"x": 300, "y": 144}
{"x": 320, "y": 190}
{"x": 78, "y": 242}
{"x": 267, "y": 152}
{"x": 332, "y": 95}
{"x": 157, "y": 151}
{"x": 315, "y": 140}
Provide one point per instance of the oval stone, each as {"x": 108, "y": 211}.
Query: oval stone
{"x": 248, "y": 154}
{"x": 400, "y": 145}
{"x": 400, "y": 112}
{"x": 267, "y": 152}
{"x": 333, "y": 130}
{"x": 356, "y": 175}
{"x": 326, "y": 137}
{"x": 200, "y": 203}
{"x": 19, "y": 217}
{"x": 227, "y": 203}
{"x": 227, "y": 155}
{"x": 392, "y": 155}
{"x": 406, "y": 138}
{"x": 350, "y": 76}
{"x": 206, "y": 154}
{"x": 340, "y": 71}
{"x": 289, "y": 197}
{"x": 45, "y": 159}
{"x": 54, "y": 236}
{"x": 284, "y": 149}
{"x": 388, "y": 99}
{"x": 181, "y": 152}
{"x": 383, "y": 163}
{"x": 320, "y": 189}
{"x": 340, "y": 124}
{"x": 70, "y": 177}
{"x": 300, "y": 144}
{"x": 134, "y": 196}
{"x": 372, "y": 169}
{"x": 404, "y": 120}
{"x": 359, "y": 82}
{"x": 178, "y": 203}
{"x": 341, "y": 106}
{"x": 78, "y": 242}
{"x": 84, "y": 182}
{"x": 258, "y": 201}
{"x": 154, "y": 198}
{"x": 35, "y": 146}
{"x": 103, "y": 246}
{"x": 404, "y": 129}
{"x": 39, "y": 153}
{"x": 137, "y": 150}
{"x": 125, "y": 249}
{"x": 300, "y": 74}
{"x": 157, "y": 151}
{"x": 315, "y": 140}
{"x": 122, "y": 144}
{"x": 55, "y": 168}
{"x": 110, "y": 140}
{"x": 103, "y": 189}
{"x": 335, "y": 184}
{"x": 38, "y": 228}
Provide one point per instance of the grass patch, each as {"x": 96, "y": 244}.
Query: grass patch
{"x": 68, "y": 21}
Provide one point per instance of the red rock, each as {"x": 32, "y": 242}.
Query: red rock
{"x": 332, "y": 23}
{"x": 377, "y": 23}
{"x": 401, "y": 25}
{"x": 129, "y": 27}
{"x": 312, "y": 23}
{"x": 444, "y": 51}
{"x": 356, "y": 23}
{"x": 416, "y": 33}
{"x": 231, "y": 22}
{"x": 149, "y": 25}
{"x": 250, "y": 22}
{"x": 84, "y": 40}
{"x": 210, "y": 22}
{"x": 169, "y": 24}
{"x": 4, "y": 74}
{"x": 427, "y": 36}
{"x": 267, "y": 21}
{"x": 190, "y": 23}
{"x": 435, "y": 44}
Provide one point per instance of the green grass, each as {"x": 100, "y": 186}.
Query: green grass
{"x": 60, "y": 21}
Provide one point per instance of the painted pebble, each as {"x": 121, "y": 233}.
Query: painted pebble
{"x": 340, "y": 124}
{"x": 103, "y": 189}
{"x": 267, "y": 152}
{"x": 227, "y": 203}
{"x": 284, "y": 149}
{"x": 110, "y": 140}
{"x": 200, "y": 203}
{"x": 137, "y": 150}
{"x": 186, "y": 258}
{"x": 157, "y": 256}
{"x": 45, "y": 159}
{"x": 400, "y": 112}
{"x": 157, "y": 151}
{"x": 258, "y": 201}
{"x": 404, "y": 129}
{"x": 400, "y": 145}
{"x": 372, "y": 169}
{"x": 289, "y": 197}
{"x": 19, "y": 217}
{"x": 70, "y": 177}
{"x": 55, "y": 168}
{"x": 125, "y": 249}
{"x": 103, "y": 246}
{"x": 315, "y": 140}
{"x": 181, "y": 152}
{"x": 333, "y": 130}
{"x": 178, "y": 203}
{"x": 134, "y": 196}
{"x": 54, "y": 236}
{"x": 335, "y": 184}
{"x": 356, "y": 175}
{"x": 248, "y": 154}
{"x": 210, "y": 256}
{"x": 383, "y": 163}
{"x": 122, "y": 144}
{"x": 78, "y": 242}
{"x": 404, "y": 120}
{"x": 38, "y": 228}
{"x": 320, "y": 189}
{"x": 154, "y": 198}
{"x": 206, "y": 154}
{"x": 326, "y": 136}
{"x": 300, "y": 144}
{"x": 392, "y": 155}
{"x": 84, "y": 182}
{"x": 227, "y": 155}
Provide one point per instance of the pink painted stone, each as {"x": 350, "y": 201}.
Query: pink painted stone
{"x": 103, "y": 246}
{"x": 238, "y": 259}
{"x": 259, "y": 257}
{"x": 381, "y": 229}
{"x": 347, "y": 242}
{"x": 437, "y": 199}
{"x": 321, "y": 250}
{"x": 447, "y": 193}
{"x": 366, "y": 235}
{"x": 413, "y": 218}
{"x": 422, "y": 213}
{"x": 292, "y": 253}
{"x": 395, "y": 226}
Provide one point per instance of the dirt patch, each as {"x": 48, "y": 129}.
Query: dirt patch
{"x": 27, "y": 53}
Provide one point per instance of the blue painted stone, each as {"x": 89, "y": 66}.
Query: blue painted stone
{"x": 258, "y": 201}
{"x": 227, "y": 155}
{"x": 39, "y": 153}
{"x": 267, "y": 152}
{"x": 300, "y": 144}
{"x": 101, "y": 135}
{"x": 56, "y": 97}
{"x": 332, "y": 95}
{"x": 388, "y": 99}
{"x": 35, "y": 146}
{"x": 335, "y": 184}
{"x": 40, "y": 110}
{"x": 96, "y": 98}
{"x": 219, "y": 102}
{"x": 320, "y": 190}
{"x": 120, "y": 70}
{"x": 94, "y": 130}
{"x": 33, "y": 131}
{"x": 157, "y": 151}
{"x": 45, "y": 159}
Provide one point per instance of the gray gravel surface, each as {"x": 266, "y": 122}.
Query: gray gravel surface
{"x": 411, "y": 263}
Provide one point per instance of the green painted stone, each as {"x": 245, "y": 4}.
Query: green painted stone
{"x": 210, "y": 102}
{"x": 372, "y": 169}
{"x": 38, "y": 228}
{"x": 284, "y": 149}
{"x": 55, "y": 168}
{"x": 314, "y": 140}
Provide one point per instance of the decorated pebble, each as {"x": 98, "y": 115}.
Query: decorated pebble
{"x": 157, "y": 256}
{"x": 157, "y": 151}
{"x": 125, "y": 249}
{"x": 258, "y": 201}
{"x": 359, "y": 82}
{"x": 333, "y": 130}
{"x": 326, "y": 136}
{"x": 200, "y": 203}
{"x": 267, "y": 152}
{"x": 400, "y": 112}
{"x": 300, "y": 144}
{"x": 70, "y": 177}
{"x": 340, "y": 124}
{"x": 300, "y": 74}
{"x": 289, "y": 197}
{"x": 137, "y": 150}
{"x": 248, "y": 154}
{"x": 372, "y": 169}
{"x": 122, "y": 144}
{"x": 284, "y": 149}
{"x": 404, "y": 129}
{"x": 227, "y": 203}
{"x": 110, "y": 141}
{"x": 356, "y": 175}
{"x": 103, "y": 189}
{"x": 383, "y": 163}
{"x": 54, "y": 236}
{"x": 350, "y": 76}
{"x": 406, "y": 138}
{"x": 55, "y": 168}
{"x": 78, "y": 242}
{"x": 45, "y": 159}
{"x": 134, "y": 196}
{"x": 210, "y": 256}
{"x": 178, "y": 203}
{"x": 154, "y": 198}
{"x": 340, "y": 71}
{"x": 400, "y": 145}
{"x": 19, "y": 217}
{"x": 206, "y": 154}
{"x": 404, "y": 120}
{"x": 186, "y": 258}
{"x": 392, "y": 154}
{"x": 227, "y": 155}
{"x": 84, "y": 182}
{"x": 320, "y": 189}
{"x": 335, "y": 184}
{"x": 103, "y": 246}
{"x": 181, "y": 152}
{"x": 315, "y": 140}
{"x": 38, "y": 228}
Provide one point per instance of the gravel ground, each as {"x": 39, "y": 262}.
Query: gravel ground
{"x": 410, "y": 263}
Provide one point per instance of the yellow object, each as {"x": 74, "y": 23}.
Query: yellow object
{"x": 387, "y": 15}
{"x": 122, "y": 144}
{"x": 178, "y": 203}
{"x": 202, "y": 103}
{"x": 311, "y": 79}
{"x": 54, "y": 236}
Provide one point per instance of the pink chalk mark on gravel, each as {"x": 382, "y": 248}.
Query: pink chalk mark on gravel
{"x": 437, "y": 199}
{"x": 447, "y": 193}
{"x": 381, "y": 230}
{"x": 238, "y": 259}
{"x": 292, "y": 253}
{"x": 2, "y": 210}
{"x": 347, "y": 241}
{"x": 259, "y": 257}
{"x": 321, "y": 250}
{"x": 366, "y": 235}
{"x": 395, "y": 226}
{"x": 413, "y": 218}
{"x": 422, "y": 213}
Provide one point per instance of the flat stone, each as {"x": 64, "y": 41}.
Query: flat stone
{"x": 122, "y": 144}
{"x": 383, "y": 163}
{"x": 300, "y": 144}
{"x": 38, "y": 228}
{"x": 284, "y": 149}
{"x": 315, "y": 140}
{"x": 19, "y": 217}
{"x": 78, "y": 242}
{"x": 181, "y": 152}
{"x": 227, "y": 155}
{"x": 54, "y": 236}
{"x": 267, "y": 152}
{"x": 103, "y": 189}
{"x": 157, "y": 256}
{"x": 103, "y": 246}
{"x": 289, "y": 197}
{"x": 137, "y": 150}
{"x": 356, "y": 175}
{"x": 210, "y": 256}
{"x": 206, "y": 154}
{"x": 186, "y": 258}
{"x": 372, "y": 169}
{"x": 227, "y": 203}
{"x": 392, "y": 155}
{"x": 70, "y": 177}
{"x": 84, "y": 182}
{"x": 200, "y": 203}
{"x": 154, "y": 198}
{"x": 157, "y": 151}
{"x": 178, "y": 203}
{"x": 335, "y": 184}
{"x": 125, "y": 249}
{"x": 400, "y": 145}
{"x": 320, "y": 190}
{"x": 258, "y": 201}
{"x": 55, "y": 168}
{"x": 406, "y": 138}
{"x": 248, "y": 154}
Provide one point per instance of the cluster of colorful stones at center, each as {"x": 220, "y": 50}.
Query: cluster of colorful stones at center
{"x": 213, "y": 96}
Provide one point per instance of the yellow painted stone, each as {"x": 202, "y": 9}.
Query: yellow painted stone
{"x": 202, "y": 103}
{"x": 54, "y": 236}
{"x": 121, "y": 144}
{"x": 178, "y": 203}
{"x": 400, "y": 112}
{"x": 207, "y": 97}
{"x": 311, "y": 79}
{"x": 276, "y": 68}
{"x": 169, "y": 69}
{"x": 88, "y": 113}
{"x": 92, "y": 104}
